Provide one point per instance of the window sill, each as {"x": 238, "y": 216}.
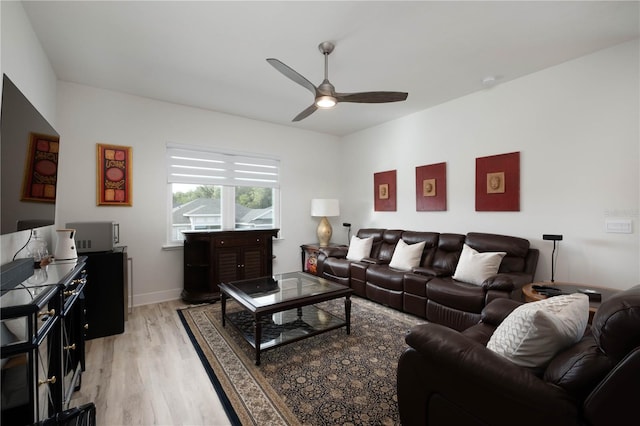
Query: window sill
{"x": 172, "y": 246}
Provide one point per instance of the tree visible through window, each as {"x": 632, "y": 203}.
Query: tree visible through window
{"x": 251, "y": 203}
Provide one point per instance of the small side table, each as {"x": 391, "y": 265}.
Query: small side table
{"x": 530, "y": 295}
{"x": 309, "y": 256}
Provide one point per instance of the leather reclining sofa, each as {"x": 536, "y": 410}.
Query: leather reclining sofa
{"x": 428, "y": 290}
{"x": 447, "y": 377}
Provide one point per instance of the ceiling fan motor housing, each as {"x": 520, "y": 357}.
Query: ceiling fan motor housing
{"x": 326, "y": 47}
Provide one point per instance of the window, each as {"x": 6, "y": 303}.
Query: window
{"x": 213, "y": 190}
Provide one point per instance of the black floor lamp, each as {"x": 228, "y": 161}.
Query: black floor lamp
{"x": 348, "y": 225}
{"x": 554, "y": 238}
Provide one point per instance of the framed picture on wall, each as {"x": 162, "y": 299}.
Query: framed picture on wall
{"x": 431, "y": 187}
{"x": 384, "y": 191}
{"x": 41, "y": 169}
{"x": 114, "y": 168}
{"x": 498, "y": 182}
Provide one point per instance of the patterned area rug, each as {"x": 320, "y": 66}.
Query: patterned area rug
{"x": 329, "y": 379}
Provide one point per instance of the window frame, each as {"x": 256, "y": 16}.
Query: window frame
{"x": 228, "y": 189}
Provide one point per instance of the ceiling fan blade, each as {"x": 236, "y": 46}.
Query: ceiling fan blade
{"x": 371, "y": 97}
{"x": 292, "y": 74}
{"x": 307, "y": 112}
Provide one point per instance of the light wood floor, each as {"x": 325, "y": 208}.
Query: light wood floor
{"x": 149, "y": 375}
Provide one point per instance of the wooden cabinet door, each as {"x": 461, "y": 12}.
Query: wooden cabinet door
{"x": 240, "y": 264}
{"x": 228, "y": 263}
{"x": 253, "y": 261}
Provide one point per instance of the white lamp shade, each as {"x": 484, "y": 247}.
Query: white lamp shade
{"x": 321, "y": 207}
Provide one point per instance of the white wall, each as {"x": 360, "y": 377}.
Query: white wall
{"x": 25, "y": 63}
{"x": 576, "y": 126}
{"x": 87, "y": 116}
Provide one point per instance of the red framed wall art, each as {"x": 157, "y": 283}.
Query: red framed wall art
{"x": 384, "y": 191}
{"x": 114, "y": 168}
{"x": 498, "y": 182}
{"x": 431, "y": 187}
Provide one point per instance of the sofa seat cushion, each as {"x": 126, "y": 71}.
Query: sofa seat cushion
{"x": 535, "y": 332}
{"x": 383, "y": 277}
{"x": 455, "y": 294}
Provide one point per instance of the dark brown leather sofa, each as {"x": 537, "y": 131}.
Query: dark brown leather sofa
{"x": 447, "y": 377}
{"x": 428, "y": 290}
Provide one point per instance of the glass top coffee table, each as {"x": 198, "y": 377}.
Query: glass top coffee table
{"x": 280, "y": 309}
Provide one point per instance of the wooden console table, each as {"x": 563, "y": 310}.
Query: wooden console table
{"x": 212, "y": 257}
{"x": 530, "y": 295}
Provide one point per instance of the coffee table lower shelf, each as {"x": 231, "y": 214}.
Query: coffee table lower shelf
{"x": 281, "y": 328}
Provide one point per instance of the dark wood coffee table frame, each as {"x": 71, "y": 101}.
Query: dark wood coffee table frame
{"x": 234, "y": 290}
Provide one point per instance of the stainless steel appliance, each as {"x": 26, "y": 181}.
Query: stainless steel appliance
{"x": 95, "y": 236}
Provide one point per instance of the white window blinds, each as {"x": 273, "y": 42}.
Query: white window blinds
{"x": 209, "y": 167}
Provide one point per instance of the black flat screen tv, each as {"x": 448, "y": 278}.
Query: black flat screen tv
{"x": 29, "y": 163}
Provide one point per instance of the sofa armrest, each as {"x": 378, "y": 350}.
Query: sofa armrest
{"x": 607, "y": 405}
{"x": 431, "y": 272}
{"x": 373, "y": 261}
{"x": 518, "y": 279}
{"x": 497, "y": 310}
{"x": 449, "y": 377}
{"x": 339, "y": 252}
{"x": 500, "y": 282}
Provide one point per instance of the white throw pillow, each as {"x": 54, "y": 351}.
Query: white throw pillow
{"x": 359, "y": 248}
{"x": 406, "y": 256}
{"x": 534, "y": 332}
{"x": 475, "y": 267}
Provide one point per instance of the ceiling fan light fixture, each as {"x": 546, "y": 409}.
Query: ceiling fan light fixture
{"x": 325, "y": 102}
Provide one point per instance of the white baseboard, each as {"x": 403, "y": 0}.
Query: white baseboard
{"x": 156, "y": 297}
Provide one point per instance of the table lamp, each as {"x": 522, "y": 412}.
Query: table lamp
{"x": 554, "y": 238}
{"x": 324, "y": 207}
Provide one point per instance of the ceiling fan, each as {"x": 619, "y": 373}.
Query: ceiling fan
{"x": 325, "y": 94}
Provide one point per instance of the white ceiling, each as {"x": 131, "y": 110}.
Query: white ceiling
{"x": 211, "y": 54}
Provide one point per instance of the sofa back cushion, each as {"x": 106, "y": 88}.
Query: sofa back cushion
{"x": 448, "y": 252}
{"x": 516, "y": 249}
{"x": 579, "y": 368}
{"x": 615, "y": 333}
{"x": 430, "y": 240}
{"x": 390, "y": 238}
{"x": 616, "y": 323}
